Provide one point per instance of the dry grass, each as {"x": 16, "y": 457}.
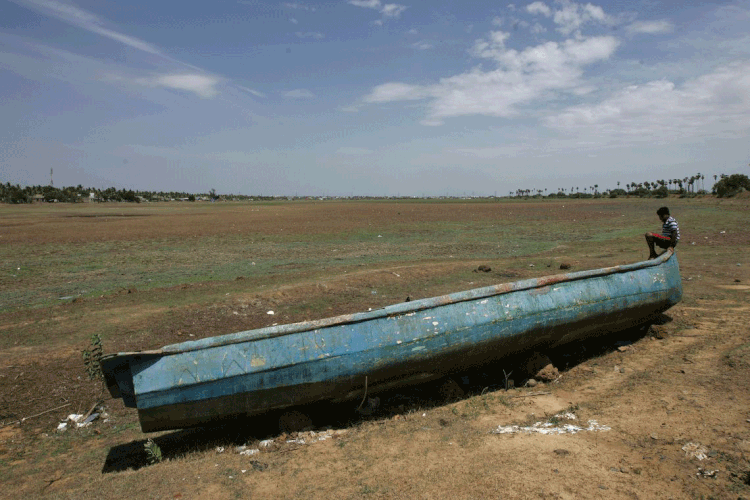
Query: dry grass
{"x": 317, "y": 260}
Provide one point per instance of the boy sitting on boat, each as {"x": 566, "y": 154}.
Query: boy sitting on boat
{"x": 670, "y": 233}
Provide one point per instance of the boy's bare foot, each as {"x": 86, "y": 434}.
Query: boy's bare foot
{"x": 652, "y": 256}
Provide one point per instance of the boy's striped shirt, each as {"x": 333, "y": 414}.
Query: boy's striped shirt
{"x": 669, "y": 227}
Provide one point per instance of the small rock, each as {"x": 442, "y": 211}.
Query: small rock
{"x": 562, "y": 452}
{"x": 483, "y": 269}
{"x": 531, "y": 383}
{"x": 623, "y": 348}
{"x": 565, "y": 265}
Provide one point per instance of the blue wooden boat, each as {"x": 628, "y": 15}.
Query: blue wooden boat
{"x": 339, "y": 358}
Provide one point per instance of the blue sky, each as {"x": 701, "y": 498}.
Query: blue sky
{"x": 365, "y": 97}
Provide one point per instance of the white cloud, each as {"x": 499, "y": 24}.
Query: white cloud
{"x": 526, "y": 77}
{"x": 368, "y": 4}
{"x": 393, "y": 10}
{"x": 539, "y": 8}
{"x": 310, "y": 34}
{"x": 293, "y": 20}
{"x": 716, "y": 104}
{"x": 298, "y": 6}
{"x": 299, "y": 94}
{"x": 423, "y": 45}
{"x": 650, "y": 27}
{"x": 571, "y": 16}
{"x": 388, "y": 92}
{"x": 537, "y": 28}
{"x": 251, "y": 91}
{"x": 86, "y": 20}
{"x": 203, "y": 85}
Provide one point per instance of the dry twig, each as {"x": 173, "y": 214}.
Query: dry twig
{"x": 37, "y": 415}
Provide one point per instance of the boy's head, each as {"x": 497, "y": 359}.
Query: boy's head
{"x": 663, "y": 213}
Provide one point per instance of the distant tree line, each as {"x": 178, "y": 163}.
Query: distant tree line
{"x": 724, "y": 186}
{"x": 14, "y": 193}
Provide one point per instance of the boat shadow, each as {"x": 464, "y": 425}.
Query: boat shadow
{"x": 499, "y": 375}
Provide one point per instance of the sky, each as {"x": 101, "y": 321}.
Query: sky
{"x": 368, "y": 98}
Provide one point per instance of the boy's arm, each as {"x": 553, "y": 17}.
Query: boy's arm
{"x": 673, "y": 237}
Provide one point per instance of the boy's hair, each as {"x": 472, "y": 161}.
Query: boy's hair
{"x": 662, "y": 211}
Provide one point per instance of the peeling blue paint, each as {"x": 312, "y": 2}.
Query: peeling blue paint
{"x": 254, "y": 371}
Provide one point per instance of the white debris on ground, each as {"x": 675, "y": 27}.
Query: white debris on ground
{"x": 312, "y": 436}
{"x": 551, "y": 428}
{"x": 706, "y": 473}
{"x": 695, "y": 450}
{"x": 307, "y": 437}
{"x": 77, "y": 420}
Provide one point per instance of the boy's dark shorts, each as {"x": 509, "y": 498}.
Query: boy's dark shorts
{"x": 663, "y": 241}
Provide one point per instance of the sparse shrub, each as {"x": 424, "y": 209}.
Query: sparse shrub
{"x": 153, "y": 452}
{"x": 731, "y": 185}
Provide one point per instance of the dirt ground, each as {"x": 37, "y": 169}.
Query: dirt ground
{"x": 660, "y": 411}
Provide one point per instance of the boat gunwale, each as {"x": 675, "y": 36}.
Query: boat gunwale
{"x": 392, "y": 310}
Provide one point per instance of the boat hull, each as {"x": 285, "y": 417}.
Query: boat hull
{"x": 252, "y": 372}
